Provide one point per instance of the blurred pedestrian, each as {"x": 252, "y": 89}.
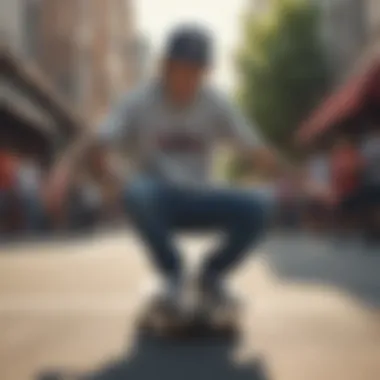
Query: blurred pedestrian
{"x": 347, "y": 167}
{"x": 291, "y": 200}
{"x": 29, "y": 192}
{"x": 371, "y": 184}
{"x": 7, "y": 184}
{"x": 89, "y": 204}
{"x": 319, "y": 203}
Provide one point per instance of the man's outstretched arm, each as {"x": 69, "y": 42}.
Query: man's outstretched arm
{"x": 91, "y": 150}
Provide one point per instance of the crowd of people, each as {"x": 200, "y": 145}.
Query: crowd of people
{"x": 20, "y": 193}
{"x": 346, "y": 179}
{"x": 349, "y": 175}
{"x": 22, "y": 199}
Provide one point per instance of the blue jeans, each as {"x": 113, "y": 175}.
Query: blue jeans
{"x": 157, "y": 210}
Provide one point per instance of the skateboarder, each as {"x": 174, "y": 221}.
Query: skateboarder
{"x": 173, "y": 123}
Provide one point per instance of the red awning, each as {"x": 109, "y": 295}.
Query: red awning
{"x": 349, "y": 101}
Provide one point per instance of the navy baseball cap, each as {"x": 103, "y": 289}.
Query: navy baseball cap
{"x": 190, "y": 44}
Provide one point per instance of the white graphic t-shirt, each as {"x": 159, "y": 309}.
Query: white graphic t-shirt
{"x": 173, "y": 143}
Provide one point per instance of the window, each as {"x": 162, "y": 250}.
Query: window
{"x": 31, "y": 37}
{"x": 66, "y": 85}
{"x": 84, "y": 57}
{"x": 360, "y": 22}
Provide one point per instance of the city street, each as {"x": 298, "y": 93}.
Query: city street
{"x": 67, "y": 311}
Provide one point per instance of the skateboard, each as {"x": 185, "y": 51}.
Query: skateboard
{"x": 188, "y": 322}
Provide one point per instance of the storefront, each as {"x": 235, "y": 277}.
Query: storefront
{"x": 33, "y": 118}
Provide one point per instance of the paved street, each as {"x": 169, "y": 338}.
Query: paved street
{"x": 68, "y": 309}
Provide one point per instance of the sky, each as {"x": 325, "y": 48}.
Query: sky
{"x": 156, "y": 17}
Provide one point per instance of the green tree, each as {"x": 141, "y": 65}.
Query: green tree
{"x": 282, "y": 68}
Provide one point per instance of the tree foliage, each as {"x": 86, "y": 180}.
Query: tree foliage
{"x": 282, "y": 68}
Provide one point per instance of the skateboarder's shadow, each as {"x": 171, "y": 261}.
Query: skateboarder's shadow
{"x": 152, "y": 359}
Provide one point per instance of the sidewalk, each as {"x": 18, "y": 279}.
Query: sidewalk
{"x": 70, "y": 307}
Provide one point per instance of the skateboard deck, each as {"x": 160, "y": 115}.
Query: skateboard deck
{"x": 189, "y": 322}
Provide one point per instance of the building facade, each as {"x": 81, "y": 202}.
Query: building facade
{"x": 32, "y": 114}
{"x": 85, "y": 47}
{"x": 371, "y": 48}
{"x": 349, "y": 29}
{"x": 88, "y": 49}
{"x": 344, "y": 30}
{"x": 11, "y": 24}
{"x": 354, "y": 106}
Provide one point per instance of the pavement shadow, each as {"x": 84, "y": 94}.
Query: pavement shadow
{"x": 308, "y": 259}
{"x": 152, "y": 359}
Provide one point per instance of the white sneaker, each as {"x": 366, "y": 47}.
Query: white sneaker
{"x": 168, "y": 296}
{"x": 216, "y": 298}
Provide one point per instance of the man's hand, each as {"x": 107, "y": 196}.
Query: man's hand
{"x": 275, "y": 165}
{"x": 266, "y": 160}
{"x": 57, "y": 185}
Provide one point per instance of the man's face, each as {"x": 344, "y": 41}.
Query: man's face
{"x": 183, "y": 80}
